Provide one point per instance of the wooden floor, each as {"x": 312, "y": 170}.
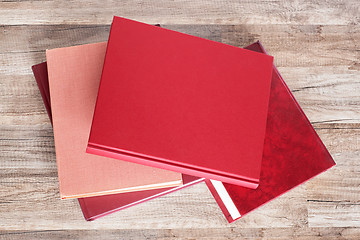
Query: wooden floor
{"x": 316, "y": 45}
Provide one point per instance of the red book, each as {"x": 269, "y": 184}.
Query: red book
{"x": 96, "y": 207}
{"x": 182, "y": 103}
{"x": 293, "y": 154}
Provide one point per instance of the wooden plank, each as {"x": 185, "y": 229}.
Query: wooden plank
{"x": 333, "y": 198}
{"x": 19, "y": 39}
{"x": 326, "y": 94}
{"x": 21, "y": 103}
{"x": 193, "y": 233}
{"x": 291, "y": 45}
{"x": 334, "y": 214}
{"x": 185, "y": 12}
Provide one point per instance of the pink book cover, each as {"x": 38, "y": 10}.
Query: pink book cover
{"x": 192, "y": 105}
{"x": 74, "y": 75}
{"x": 99, "y": 206}
{"x": 293, "y": 153}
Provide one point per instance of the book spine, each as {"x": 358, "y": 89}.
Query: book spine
{"x": 163, "y": 164}
{"x": 37, "y": 69}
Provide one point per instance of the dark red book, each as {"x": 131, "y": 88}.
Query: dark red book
{"x": 41, "y": 76}
{"x": 96, "y": 207}
{"x": 182, "y": 103}
{"x": 293, "y": 154}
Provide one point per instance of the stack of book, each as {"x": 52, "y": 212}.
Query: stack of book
{"x": 153, "y": 111}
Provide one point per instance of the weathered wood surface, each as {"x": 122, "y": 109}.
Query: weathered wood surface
{"x": 344, "y": 12}
{"x": 316, "y": 46}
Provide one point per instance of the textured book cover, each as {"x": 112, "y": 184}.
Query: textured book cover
{"x": 99, "y": 206}
{"x": 293, "y": 154}
{"x": 74, "y": 75}
{"x": 182, "y": 103}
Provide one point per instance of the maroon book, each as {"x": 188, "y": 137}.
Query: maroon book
{"x": 41, "y": 76}
{"x": 293, "y": 153}
{"x": 95, "y": 207}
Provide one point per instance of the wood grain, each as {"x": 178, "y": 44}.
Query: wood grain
{"x": 194, "y": 233}
{"x": 182, "y": 11}
{"x": 316, "y": 45}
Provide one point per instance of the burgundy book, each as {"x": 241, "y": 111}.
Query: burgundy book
{"x": 96, "y": 207}
{"x": 182, "y": 103}
{"x": 41, "y": 76}
{"x": 293, "y": 154}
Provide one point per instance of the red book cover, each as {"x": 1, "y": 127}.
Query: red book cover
{"x": 182, "y": 103}
{"x": 293, "y": 154}
{"x": 96, "y": 207}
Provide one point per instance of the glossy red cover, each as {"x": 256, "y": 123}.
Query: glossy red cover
{"x": 182, "y": 103}
{"x": 96, "y": 207}
{"x": 293, "y": 152}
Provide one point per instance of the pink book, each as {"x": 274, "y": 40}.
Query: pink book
{"x": 293, "y": 153}
{"x": 74, "y": 76}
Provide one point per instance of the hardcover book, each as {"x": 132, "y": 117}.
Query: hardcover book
{"x": 182, "y": 103}
{"x": 99, "y": 206}
{"x": 293, "y": 154}
{"x": 74, "y": 75}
